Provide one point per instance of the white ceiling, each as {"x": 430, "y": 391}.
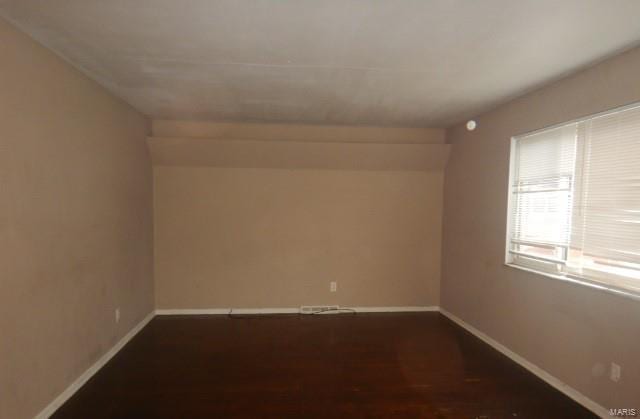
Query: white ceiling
{"x": 394, "y": 62}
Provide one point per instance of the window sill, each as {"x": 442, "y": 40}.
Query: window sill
{"x": 584, "y": 283}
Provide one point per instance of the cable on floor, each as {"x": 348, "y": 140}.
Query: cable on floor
{"x": 341, "y": 310}
{"x": 335, "y": 310}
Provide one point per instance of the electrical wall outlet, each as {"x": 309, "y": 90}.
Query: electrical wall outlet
{"x": 616, "y": 372}
{"x": 333, "y": 286}
{"x": 117, "y": 314}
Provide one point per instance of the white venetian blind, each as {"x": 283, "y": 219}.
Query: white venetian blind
{"x": 542, "y": 193}
{"x": 606, "y": 219}
{"x": 575, "y": 200}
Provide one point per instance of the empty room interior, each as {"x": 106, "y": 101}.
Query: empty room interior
{"x": 304, "y": 209}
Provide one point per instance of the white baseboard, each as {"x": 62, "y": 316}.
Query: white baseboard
{"x": 534, "y": 369}
{"x": 82, "y": 379}
{"x": 201, "y": 311}
{"x": 164, "y": 312}
{"x": 401, "y": 309}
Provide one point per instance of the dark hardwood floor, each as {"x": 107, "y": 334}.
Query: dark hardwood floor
{"x": 404, "y": 365}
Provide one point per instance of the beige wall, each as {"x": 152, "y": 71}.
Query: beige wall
{"x": 75, "y": 223}
{"x": 276, "y": 234}
{"x": 297, "y": 132}
{"x": 566, "y": 329}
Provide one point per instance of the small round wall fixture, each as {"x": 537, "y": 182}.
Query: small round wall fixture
{"x": 471, "y": 125}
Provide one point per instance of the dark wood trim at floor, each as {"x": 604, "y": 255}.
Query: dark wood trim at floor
{"x": 392, "y": 365}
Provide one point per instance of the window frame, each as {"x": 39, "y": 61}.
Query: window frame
{"x": 568, "y": 277}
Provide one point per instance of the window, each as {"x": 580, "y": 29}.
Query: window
{"x": 574, "y": 201}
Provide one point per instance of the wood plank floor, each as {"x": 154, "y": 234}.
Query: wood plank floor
{"x": 400, "y": 365}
